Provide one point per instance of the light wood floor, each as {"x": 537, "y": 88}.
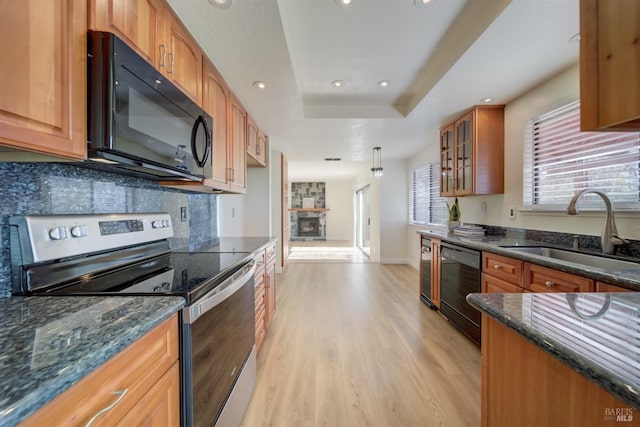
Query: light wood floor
{"x": 352, "y": 345}
{"x": 325, "y": 251}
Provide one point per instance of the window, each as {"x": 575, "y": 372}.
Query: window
{"x": 426, "y": 206}
{"x": 560, "y": 160}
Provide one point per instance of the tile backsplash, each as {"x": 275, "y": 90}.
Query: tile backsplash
{"x": 52, "y": 189}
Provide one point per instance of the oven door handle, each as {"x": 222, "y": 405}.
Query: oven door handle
{"x": 218, "y": 295}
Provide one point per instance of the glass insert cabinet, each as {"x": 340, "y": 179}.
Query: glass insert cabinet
{"x": 472, "y": 152}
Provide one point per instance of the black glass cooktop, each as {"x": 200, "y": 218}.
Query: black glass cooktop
{"x": 190, "y": 275}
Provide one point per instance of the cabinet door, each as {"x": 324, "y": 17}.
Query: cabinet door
{"x": 541, "y": 279}
{"x": 270, "y": 289}
{"x": 137, "y": 22}
{"x": 609, "y": 64}
{"x": 160, "y": 407}
{"x": 605, "y": 287}
{"x": 238, "y": 148}
{"x": 262, "y": 148}
{"x": 43, "y": 77}
{"x": 252, "y": 137}
{"x": 492, "y": 284}
{"x": 184, "y": 59}
{"x": 215, "y": 102}
{"x": 435, "y": 272}
{"x": 463, "y": 152}
{"x": 447, "y": 181}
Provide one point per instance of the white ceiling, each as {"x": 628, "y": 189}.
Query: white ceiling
{"x": 440, "y": 59}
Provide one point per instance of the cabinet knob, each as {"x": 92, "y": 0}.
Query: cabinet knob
{"x": 549, "y": 283}
{"x": 497, "y": 267}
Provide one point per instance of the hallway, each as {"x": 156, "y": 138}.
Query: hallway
{"x": 325, "y": 251}
{"x": 352, "y": 345}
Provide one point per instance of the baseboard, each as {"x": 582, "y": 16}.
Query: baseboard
{"x": 394, "y": 261}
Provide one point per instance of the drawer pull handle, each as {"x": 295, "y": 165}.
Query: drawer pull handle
{"x": 120, "y": 394}
{"x": 549, "y": 283}
{"x": 497, "y": 267}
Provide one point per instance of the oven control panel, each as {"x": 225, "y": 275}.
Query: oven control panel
{"x": 41, "y": 238}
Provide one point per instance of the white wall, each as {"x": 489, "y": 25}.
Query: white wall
{"x": 555, "y": 92}
{"x": 364, "y": 178}
{"x": 394, "y": 196}
{"x": 339, "y": 201}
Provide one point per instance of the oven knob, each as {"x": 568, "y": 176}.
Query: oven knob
{"x": 79, "y": 231}
{"x": 165, "y": 223}
{"x": 58, "y": 233}
{"x": 156, "y": 224}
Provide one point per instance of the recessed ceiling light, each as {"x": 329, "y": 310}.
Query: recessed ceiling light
{"x": 421, "y": 3}
{"x": 221, "y": 3}
{"x": 337, "y": 83}
{"x": 258, "y": 84}
{"x": 344, "y": 2}
{"x": 383, "y": 83}
{"x": 486, "y": 100}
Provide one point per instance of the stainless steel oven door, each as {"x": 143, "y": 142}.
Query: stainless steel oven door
{"x": 218, "y": 336}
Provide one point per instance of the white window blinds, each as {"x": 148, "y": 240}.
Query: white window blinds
{"x": 559, "y": 160}
{"x": 426, "y": 206}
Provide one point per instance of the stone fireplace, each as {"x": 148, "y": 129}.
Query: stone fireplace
{"x": 308, "y": 220}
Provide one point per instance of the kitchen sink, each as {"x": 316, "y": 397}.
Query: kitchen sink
{"x": 591, "y": 260}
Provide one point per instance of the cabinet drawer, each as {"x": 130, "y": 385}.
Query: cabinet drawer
{"x": 125, "y": 378}
{"x": 260, "y": 260}
{"x": 605, "y": 287}
{"x": 494, "y": 285}
{"x": 271, "y": 252}
{"x": 541, "y": 279}
{"x": 504, "y": 268}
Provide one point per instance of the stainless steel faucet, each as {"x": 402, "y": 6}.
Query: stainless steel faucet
{"x": 609, "y": 237}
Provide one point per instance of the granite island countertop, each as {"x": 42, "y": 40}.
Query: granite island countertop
{"x": 47, "y": 344}
{"x": 627, "y": 278}
{"x": 595, "y": 334}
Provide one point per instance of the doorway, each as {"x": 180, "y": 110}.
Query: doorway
{"x": 363, "y": 219}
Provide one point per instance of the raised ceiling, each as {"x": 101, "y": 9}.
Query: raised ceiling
{"x": 439, "y": 59}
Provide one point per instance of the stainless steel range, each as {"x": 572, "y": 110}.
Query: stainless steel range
{"x": 129, "y": 254}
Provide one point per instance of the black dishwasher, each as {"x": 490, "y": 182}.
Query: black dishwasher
{"x": 460, "y": 275}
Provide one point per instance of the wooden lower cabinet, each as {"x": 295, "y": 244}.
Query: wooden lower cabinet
{"x": 138, "y": 386}
{"x": 605, "y": 287}
{"x": 494, "y": 285}
{"x": 265, "y": 284}
{"x": 525, "y": 386}
{"x": 542, "y": 279}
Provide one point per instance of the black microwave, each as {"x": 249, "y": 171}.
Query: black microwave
{"x": 138, "y": 121}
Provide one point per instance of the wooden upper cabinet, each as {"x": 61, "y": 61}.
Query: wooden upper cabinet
{"x": 256, "y": 145}
{"x": 216, "y": 100}
{"x": 472, "y": 153}
{"x": 139, "y": 23}
{"x": 238, "y": 147}
{"x": 43, "y": 98}
{"x": 610, "y": 65}
{"x": 184, "y": 58}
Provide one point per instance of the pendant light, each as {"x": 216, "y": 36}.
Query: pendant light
{"x": 376, "y": 170}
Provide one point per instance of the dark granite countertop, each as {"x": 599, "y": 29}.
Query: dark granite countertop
{"x": 500, "y": 245}
{"x": 596, "y": 334}
{"x": 47, "y": 344}
{"x": 229, "y": 244}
